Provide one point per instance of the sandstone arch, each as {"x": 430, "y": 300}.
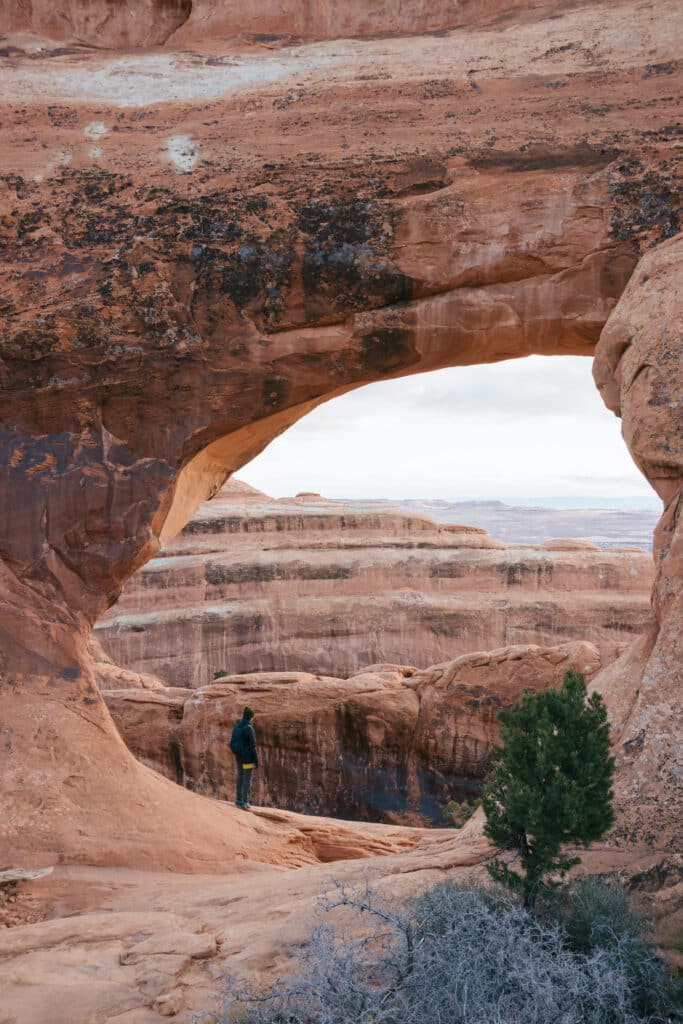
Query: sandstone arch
{"x": 158, "y": 332}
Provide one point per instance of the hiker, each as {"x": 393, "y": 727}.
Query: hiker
{"x": 243, "y": 746}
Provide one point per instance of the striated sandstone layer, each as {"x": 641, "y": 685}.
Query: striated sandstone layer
{"x": 308, "y": 585}
{"x": 390, "y": 744}
{"x": 198, "y": 247}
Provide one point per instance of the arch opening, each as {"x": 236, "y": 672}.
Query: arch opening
{"x": 296, "y": 589}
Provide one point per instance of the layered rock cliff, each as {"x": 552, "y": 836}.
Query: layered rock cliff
{"x": 391, "y": 744}
{"x": 200, "y": 246}
{"x": 253, "y": 584}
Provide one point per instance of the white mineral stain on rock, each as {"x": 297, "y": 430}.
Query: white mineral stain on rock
{"x": 60, "y": 159}
{"x": 95, "y": 152}
{"x": 95, "y": 130}
{"x": 140, "y": 79}
{"x": 182, "y": 152}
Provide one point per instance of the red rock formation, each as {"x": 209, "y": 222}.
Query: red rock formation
{"x": 111, "y": 24}
{"x": 110, "y": 676}
{"x": 207, "y": 249}
{"x": 639, "y": 370}
{"x": 328, "y": 587}
{"x": 96, "y": 22}
{"x": 389, "y": 744}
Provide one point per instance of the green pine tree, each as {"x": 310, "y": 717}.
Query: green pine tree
{"x": 550, "y": 784}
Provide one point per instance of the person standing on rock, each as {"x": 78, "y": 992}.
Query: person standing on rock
{"x": 243, "y": 746}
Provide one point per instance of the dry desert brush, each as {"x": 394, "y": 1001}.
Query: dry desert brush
{"x": 454, "y": 955}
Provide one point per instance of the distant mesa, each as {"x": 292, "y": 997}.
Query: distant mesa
{"x": 307, "y": 584}
{"x": 574, "y": 545}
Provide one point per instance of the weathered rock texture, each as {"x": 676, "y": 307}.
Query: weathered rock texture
{"x": 639, "y": 370}
{"x": 147, "y": 937}
{"x": 252, "y": 584}
{"x": 389, "y": 744}
{"x": 197, "y": 250}
{"x": 111, "y": 24}
{"x": 110, "y": 676}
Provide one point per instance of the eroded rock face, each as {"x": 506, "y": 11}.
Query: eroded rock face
{"x": 391, "y": 744}
{"x": 181, "y": 22}
{"x": 253, "y": 584}
{"x": 97, "y": 22}
{"x": 208, "y": 248}
{"x": 639, "y": 370}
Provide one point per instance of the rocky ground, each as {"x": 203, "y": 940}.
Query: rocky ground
{"x": 119, "y": 946}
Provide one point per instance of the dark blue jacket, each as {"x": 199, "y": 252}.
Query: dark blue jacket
{"x": 243, "y": 742}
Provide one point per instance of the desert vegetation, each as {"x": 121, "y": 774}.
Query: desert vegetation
{"x": 528, "y": 949}
{"x": 551, "y": 784}
{"x": 464, "y": 954}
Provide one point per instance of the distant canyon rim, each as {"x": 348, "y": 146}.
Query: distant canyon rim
{"x": 211, "y": 221}
{"x": 281, "y": 598}
{"x": 308, "y": 584}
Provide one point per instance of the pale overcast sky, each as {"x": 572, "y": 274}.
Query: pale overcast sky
{"x": 526, "y": 428}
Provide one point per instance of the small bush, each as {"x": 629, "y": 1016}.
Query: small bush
{"x": 459, "y": 813}
{"x": 598, "y": 914}
{"x": 454, "y": 955}
{"x": 219, "y": 672}
{"x": 551, "y": 784}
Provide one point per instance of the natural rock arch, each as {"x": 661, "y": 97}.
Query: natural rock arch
{"x": 50, "y": 696}
{"x": 162, "y": 334}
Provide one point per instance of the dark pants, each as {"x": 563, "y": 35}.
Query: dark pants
{"x": 243, "y": 784}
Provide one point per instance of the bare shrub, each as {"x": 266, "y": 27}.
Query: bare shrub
{"x": 455, "y": 955}
{"x": 598, "y": 913}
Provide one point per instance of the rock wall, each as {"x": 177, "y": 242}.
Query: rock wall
{"x": 199, "y": 247}
{"x": 108, "y": 23}
{"x": 639, "y": 370}
{"x": 308, "y": 585}
{"x": 390, "y": 744}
